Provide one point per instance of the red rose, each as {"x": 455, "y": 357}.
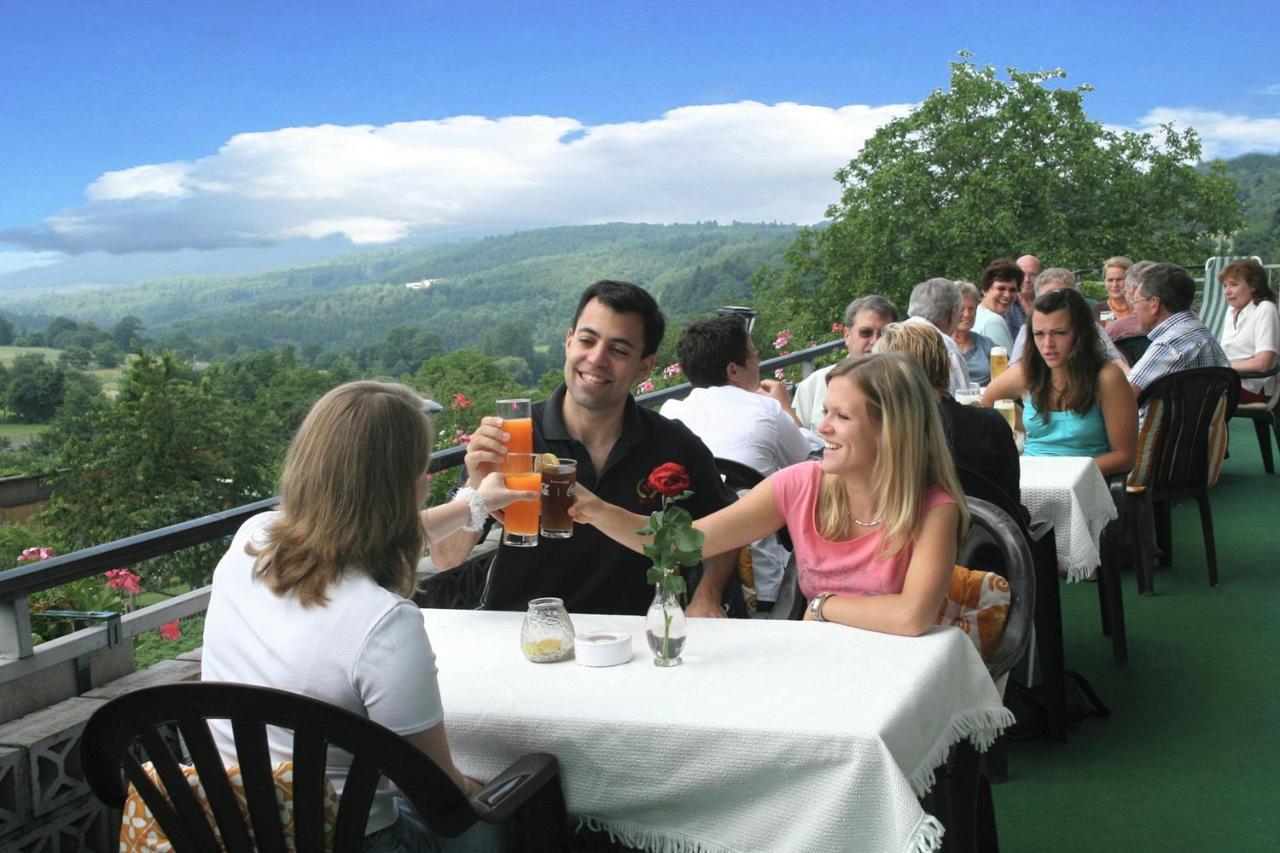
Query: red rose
{"x": 669, "y": 479}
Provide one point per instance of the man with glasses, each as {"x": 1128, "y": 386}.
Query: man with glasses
{"x": 1179, "y": 341}
{"x": 863, "y": 320}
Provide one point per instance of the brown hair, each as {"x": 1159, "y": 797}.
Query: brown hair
{"x": 1082, "y": 365}
{"x": 349, "y": 496}
{"x": 913, "y": 452}
{"x": 1001, "y": 269}
{"x": 1251, "y": 273}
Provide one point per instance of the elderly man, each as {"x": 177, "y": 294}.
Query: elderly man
{"x": 740, "y": 418}
{"x": 1128, "y": 326}
{"x": 1179, "y": 341}
{"x": 593, "y": 418}
{"x": 937, "y": 303}
{"x": 1018, "y": 313}
{"x": 863, "y": 319}
{"x": 1056, "y": 278}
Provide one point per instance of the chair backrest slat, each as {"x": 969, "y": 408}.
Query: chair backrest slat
{"x": 254, "y": 759}
{"x": 217, "y": 788}
{"x": 178, "y": 790}
{"x": 357, "y": 795}
{"x": 1189, "y": 405}
{"x": 162, "y": 809}
{"x": 309, "y": 750}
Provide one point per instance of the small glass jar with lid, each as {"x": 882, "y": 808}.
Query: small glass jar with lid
{"x": 547, "y": 633}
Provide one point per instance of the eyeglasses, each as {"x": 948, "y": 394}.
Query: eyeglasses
{"x": 866, "y": 332}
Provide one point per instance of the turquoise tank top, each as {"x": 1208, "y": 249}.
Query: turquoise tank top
{"x": 1066, "y": 433}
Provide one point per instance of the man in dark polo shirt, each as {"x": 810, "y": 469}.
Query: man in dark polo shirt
{"x": 594, "y": 419}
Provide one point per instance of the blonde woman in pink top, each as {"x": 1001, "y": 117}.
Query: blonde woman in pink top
{"x": 875, "y": 524}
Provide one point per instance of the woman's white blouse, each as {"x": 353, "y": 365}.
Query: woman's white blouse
{"x": 1254, "y": 329}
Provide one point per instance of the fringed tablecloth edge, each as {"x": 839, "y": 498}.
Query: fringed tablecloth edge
{"x": 928, "y": 835}
{"x": 650, "y": 839}
{"x": 981, "y": 726}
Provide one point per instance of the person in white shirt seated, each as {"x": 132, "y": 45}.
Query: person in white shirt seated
{"x": 863, "y": 319}
{"x": 312, "y": 598}
{"x": 1251, "y": 334}
{"x": 741, "y": 418}
{"x": 1057, "y": 278}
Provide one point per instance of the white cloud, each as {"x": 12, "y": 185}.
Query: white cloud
{"x": 746, "y": 161}
{"x": 1221, "y": 134}
{"x": 1273, "y": 89}
{"x": 11, "y": 261}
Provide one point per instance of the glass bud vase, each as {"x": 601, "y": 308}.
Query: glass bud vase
{"x": 665, "y": 628}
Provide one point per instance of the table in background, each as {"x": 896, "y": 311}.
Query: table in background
{"x": 773, "y": 735}
{"x": 1070, "y": 493}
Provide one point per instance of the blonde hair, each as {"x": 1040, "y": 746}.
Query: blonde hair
{"x": 349, "y": 494}
{"x": 913, "y": 453}
{"x": 925, "y": 345}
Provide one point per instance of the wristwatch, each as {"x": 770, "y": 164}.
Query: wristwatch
{"x": 815, "y": 606}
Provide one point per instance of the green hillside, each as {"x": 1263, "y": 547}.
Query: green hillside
{"x": 349, "y": 301}
{"x": 1258, "y": 176}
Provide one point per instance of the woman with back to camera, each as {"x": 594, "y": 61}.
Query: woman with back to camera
{"x": 876, "y": 523}
{"x": 312, "y": 598}
{"x": 1076, "y": 402}
{"x": 1251, "y": 333}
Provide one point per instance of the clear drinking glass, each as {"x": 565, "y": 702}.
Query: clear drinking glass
{"x": 559, "y": 482}
{"x": 522, "y": 471}
{"x": 516, "y": 420}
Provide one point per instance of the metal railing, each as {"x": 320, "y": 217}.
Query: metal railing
{"x": 19, "y": 657}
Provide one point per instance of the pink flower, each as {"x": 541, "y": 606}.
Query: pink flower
{"x": 460, "y": 437}
{"x": 170, "y": 630}
{"x": 784, "y": 352}
{"x": 837, "y": 328}
{"x": 779, "y": 374}
{"x": 784, "y": 338}
{"x": 36, "y": 554}
{"x": 460, "y": 400}
{"x": 123, "y": 580}
{"x": 645, "y": 387}
{"x": 672, "y": 369}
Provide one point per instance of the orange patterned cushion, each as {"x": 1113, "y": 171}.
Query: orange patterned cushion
{"x": 978, "y": 604}
{"x": 140, "y": 832}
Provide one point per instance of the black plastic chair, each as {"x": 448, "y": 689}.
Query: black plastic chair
{"x": 1265, "y": 417}
{"x": 526, "y": 796}
{"x": 1183, "y": 410}
{"x": 1132, "y": 347}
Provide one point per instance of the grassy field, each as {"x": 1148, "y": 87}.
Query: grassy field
{"x": 7, "y": 354}
{"x": 19, "y": 433}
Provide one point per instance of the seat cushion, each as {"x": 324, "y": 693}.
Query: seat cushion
{"x": 140, "y": 832}
{"x": 978, "y": 604}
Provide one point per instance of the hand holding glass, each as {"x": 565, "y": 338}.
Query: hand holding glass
{"x": 522, "y": 471}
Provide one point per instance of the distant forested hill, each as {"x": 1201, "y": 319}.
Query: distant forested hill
{"x": 1258, "y": 176}
{"x": 534, "y": 276}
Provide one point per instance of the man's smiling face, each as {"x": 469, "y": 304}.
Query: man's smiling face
{"x": 602, "y": 357}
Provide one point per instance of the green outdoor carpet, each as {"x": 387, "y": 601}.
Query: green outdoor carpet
{"x": 1188, "y": 760}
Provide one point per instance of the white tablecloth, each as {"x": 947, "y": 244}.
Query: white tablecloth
{"x": 1070, "y": 493}
{"x": 779, "y": 736}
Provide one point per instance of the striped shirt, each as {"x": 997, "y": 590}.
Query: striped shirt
{"x": 1179, "y": 342}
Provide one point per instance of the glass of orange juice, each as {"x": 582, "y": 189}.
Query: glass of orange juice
{"x": 517, "y": 422}
{"x": 522, "y": 471}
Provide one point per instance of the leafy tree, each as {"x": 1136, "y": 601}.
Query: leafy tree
{"x": 997, "y": 166}
{"x": 106, "y": 355}
{"x": 76, "y": 356}
{"x": 127, "y": 333}
{"x": 35, "y": 391}
{"x": 165, "y": 450}
{"x": 6, "y": 331}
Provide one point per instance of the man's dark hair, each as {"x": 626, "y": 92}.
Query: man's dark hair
{"x": 708, "y": 347}
{"x": 627, "y": 298}
{"x": 1169, "y": 283}
{"x": 1001, "y": 269}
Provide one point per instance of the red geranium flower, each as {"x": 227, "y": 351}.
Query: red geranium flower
{"x": 669, "y": 479}
{"x": 170, "y": 630}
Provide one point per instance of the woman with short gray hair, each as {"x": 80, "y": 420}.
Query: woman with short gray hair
{"x": 975, "y": 347}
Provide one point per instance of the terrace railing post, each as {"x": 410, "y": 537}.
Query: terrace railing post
{"x": 15, "y": 628}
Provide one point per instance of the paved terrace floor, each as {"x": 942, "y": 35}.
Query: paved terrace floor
{"x": 1188, "y": 759}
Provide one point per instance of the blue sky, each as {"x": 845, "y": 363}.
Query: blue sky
{"x": 154, "y": 125}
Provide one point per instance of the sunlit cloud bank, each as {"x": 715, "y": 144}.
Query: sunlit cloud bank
{"x": 744, "y": 161}
{"x": 1221, "y": 134}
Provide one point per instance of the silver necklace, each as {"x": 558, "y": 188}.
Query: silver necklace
{"x": 862, "y": 523}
